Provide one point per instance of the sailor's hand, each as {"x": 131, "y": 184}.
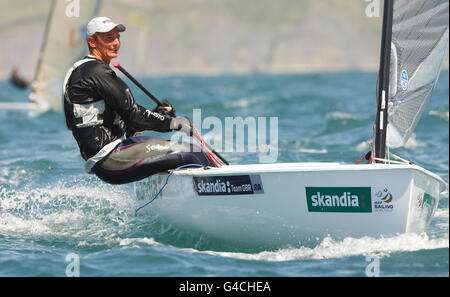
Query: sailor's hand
{"x": 182, "y": 124}
{"x": 166, "y": 108}
{"x": 131, "y": 131}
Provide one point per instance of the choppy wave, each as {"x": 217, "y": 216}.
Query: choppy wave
{"x": 49, "y": 206}
{"x": 73, "y": 212}
{"x": 330, "y": 248}
{"x": 327, "y": 249}
{"x": 441, "y": 113}
{"x": 339, "y": 122}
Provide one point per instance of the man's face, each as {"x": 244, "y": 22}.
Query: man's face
{"x": 107, "y": 44}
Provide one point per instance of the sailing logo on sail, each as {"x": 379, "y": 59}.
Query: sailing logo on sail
{"x": 338, "y": 199}
{"x": 404, "y": 80}
{"x": 384, "y": 201}
{"x": 228, "y": 185}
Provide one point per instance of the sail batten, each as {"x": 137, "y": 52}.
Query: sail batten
{"x": 419, "y": 44}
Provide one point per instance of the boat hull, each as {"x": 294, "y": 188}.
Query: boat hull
{"x": 275, "y": 205}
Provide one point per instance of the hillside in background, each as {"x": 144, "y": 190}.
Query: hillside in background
{"x": 167, "y": 37}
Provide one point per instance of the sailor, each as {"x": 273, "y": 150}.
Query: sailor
{"x": 105, "y": 119}
{"x": 18, "y": 81}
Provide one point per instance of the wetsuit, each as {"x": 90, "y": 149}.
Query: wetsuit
{"x": 103, "y": 116}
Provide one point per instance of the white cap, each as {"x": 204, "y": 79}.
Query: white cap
{"x": 102, "y": 25}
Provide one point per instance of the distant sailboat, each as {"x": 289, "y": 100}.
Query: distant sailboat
{"x": 64, "y": 43}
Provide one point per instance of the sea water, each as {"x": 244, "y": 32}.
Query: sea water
{"x": 55, "y": 220}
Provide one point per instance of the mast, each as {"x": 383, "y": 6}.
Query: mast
{"x": 98, "y": 5}
{"x": 383, "y": 85}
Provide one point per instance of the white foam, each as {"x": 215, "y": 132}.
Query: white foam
{"x": 12, "y": 176}
{"x": 137, "y": 242}
{"x": 412, "y": 143}
{"x": 443, "y": 114}
{"x": 92, "y": 212}
{"x": 441, "y": 213}
{"x": 363, "y": 146}
{"x": 312, "y": 151}
{"x": 330, "y": 248}
{"x": 337, "y": 115}
{"x": 441, "y": 217}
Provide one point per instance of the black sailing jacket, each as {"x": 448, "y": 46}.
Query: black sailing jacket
{"x": 92, "y": 82}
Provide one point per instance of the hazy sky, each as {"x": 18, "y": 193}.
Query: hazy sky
{"x": 215, "y": 36}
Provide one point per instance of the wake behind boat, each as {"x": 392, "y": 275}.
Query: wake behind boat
{"x": 274, "y": 205}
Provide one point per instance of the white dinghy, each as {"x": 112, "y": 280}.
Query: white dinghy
{"x": 290, "y": 203}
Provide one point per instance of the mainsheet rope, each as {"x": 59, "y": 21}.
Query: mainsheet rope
{"x": 167, "y": 180}
{"x": 199, "y": 139}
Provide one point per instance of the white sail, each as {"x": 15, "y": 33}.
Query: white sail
{"x": 418, "y": 48}
{"x": 64, "y": 43}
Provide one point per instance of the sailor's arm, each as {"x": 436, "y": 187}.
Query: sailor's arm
{"x": 120, "y": 98}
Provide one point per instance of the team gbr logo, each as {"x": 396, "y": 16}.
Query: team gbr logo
{"x": 228, "y": 185}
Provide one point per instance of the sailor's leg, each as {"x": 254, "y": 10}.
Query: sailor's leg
{"x": 141, "y": 156}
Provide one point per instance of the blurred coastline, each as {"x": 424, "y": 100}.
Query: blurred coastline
{"x": 212, "y": 37}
